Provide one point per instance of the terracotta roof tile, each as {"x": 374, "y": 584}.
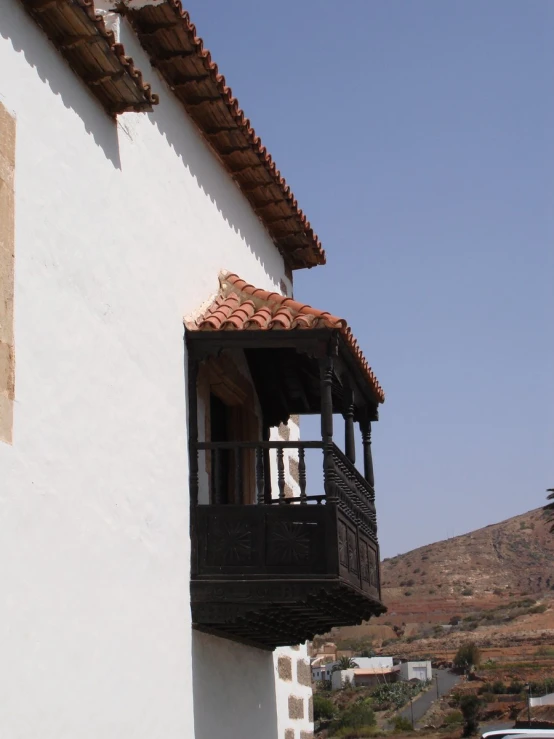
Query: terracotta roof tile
{"x": 167, "y": 33}
{"x": 93, "y": 53}
{"x": 240, "y": 306}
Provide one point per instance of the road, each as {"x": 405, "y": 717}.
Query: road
{"x": 446, "y": 680}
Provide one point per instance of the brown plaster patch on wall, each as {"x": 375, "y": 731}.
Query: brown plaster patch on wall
{"x": 289, "y": 733}
{"x": 303, "y": 673}
{"x": 311, "y": 708}
{"x": 7, "y": 259}
{"x": 288, "y": 491}
{"x": 284, "y": 432}
{"x": 284, "y": 667}
{"x": 295, "y": 419}
{"x": 306, "y": 735}
{"x": 296, "y": 707}
{"x": 293, "y": 469}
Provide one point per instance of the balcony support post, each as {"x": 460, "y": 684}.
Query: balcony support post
{"x": 365, "y": 427}
{"x": 326, "y": 383}
{"x": 349, "y": 442}
{"x": 267, "y": 467}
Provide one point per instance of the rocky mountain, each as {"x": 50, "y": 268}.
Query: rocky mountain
{"x": 496, "y": 582}
{"x": 476, "y": 571}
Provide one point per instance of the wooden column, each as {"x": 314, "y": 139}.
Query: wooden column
{"x": 267, "y": 467}
{"x": 368, "y": 459}
{"x": 260, "y": 476}
{"x": 349, "y": 441}
{"x": 193, "y": 429}
{"x": 326, "y": 385}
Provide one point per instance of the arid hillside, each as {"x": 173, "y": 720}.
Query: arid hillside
{"x": 496, "y": 583}
{"x": 472, "y": 572}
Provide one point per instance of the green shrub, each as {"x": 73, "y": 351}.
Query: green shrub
{"x": 324, "y": 709}
{"x": 408, "y": 593}
{"x": 468, "y": 655}
{"x": 394, "y": 695}
{"x": 401, "y": 723}
{"x": 357, "y": 716}
{"x": 348, "y": 732}
{"x": 454, "y": 717}
{"x": 498, "y": 687}
{"x": 545, "y": 652}
{"x": 469, "y": 706}
{"x": 467, "y": 591}
{"x": 538, "y": 609}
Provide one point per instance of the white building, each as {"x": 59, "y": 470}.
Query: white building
{"x": 322, "y": 672}
{"x": 136, "y": 580}
{"x": 367, "y": 663}
{"x": 364, "y": 676}
{"x": 325, "y": 671}
{"x": 416, "y": 670}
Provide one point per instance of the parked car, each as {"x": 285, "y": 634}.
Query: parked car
{"x": 519, "y": 734}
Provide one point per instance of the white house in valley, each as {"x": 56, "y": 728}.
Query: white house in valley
{"x": 158, "y": 533}
{"x": 421, "y": 670}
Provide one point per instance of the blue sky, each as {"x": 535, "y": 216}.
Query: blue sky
{"x": 419, "y": 140}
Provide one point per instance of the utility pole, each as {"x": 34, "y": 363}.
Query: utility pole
{"x": 437, "y": 679}
{"x": 529, "y": 705}
{"x": 412, "y": 709}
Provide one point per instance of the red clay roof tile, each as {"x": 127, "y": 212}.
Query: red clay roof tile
{"x": 93, "y": 53}
{"x": 240, "y": 306}
{"x": 167, "y": 33}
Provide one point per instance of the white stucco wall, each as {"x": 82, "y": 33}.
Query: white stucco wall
{"x": 297, "y": 689}
{"x": 412, "y": 670}
{"x": 121, "y": 230}
{"x": 366, "y": 663}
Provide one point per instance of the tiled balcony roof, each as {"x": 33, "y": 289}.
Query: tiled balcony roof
{"x": 240, "y": 306}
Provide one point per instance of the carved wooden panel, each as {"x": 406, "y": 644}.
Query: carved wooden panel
{"x": 267, "y": 575}
{"x": 288, "y": 543}
{"x": 373, "y": 568}
{"x": 364, "y": 562}
{"x": 263, "y": 539}
{"x": 343, "y": 553}
{"x": 230, "y": 542}
{"x": 352, "y": 551}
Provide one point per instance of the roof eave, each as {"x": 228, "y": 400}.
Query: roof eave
{"x": 169, "y": 37}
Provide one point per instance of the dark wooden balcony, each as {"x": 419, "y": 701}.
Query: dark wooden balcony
{"x": 284, "y": 536}
{"x": 285, "y": 568}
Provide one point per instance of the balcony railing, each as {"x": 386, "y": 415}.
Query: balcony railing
{"x": 342, "y": 483}
{"x": 287, "y": 566}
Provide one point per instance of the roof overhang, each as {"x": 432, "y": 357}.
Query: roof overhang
{"x": 93, "y": 52}
{"x": 168, "y": 35}
{"x": 243, "y": 316}
{"x": 79, "y": 30}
